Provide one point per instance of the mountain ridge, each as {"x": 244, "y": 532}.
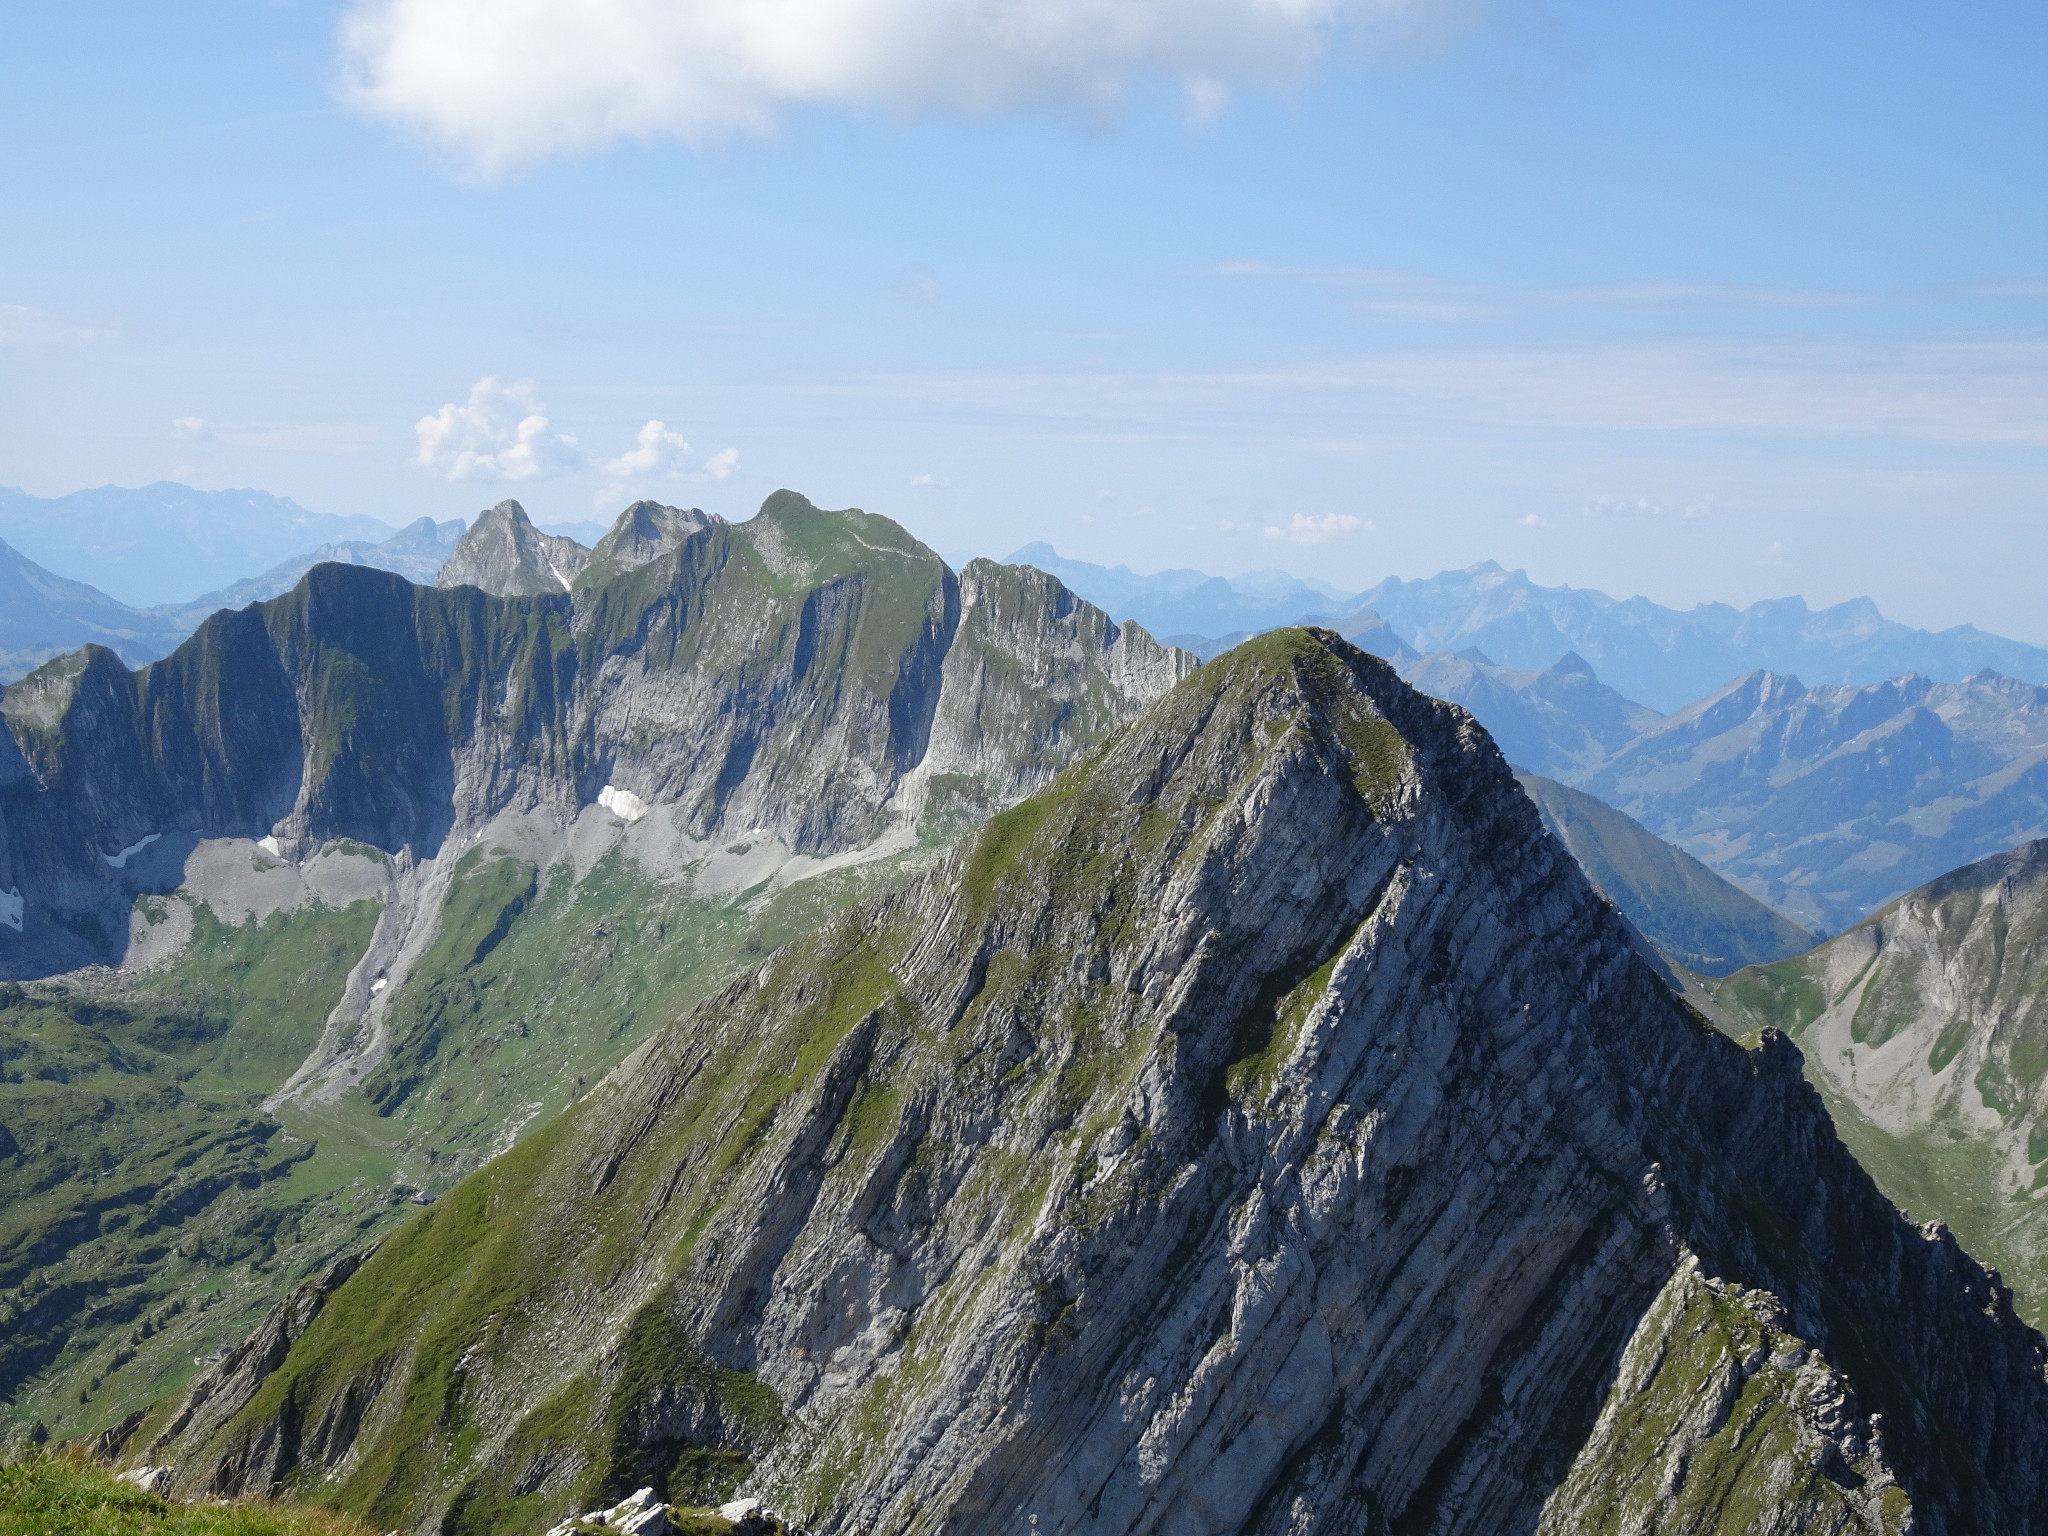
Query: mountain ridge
{"x": 1181, "y": 1152}
{"x": 1926, "y": 1026}
{"x": 496, "y": 841}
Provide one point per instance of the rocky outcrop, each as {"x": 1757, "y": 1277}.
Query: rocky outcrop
{"x": 506, "y": 556}
{"x": 228, "y": 1385}
{"x": 1927, "y": 1026}
{"x": 779, "y": 677}
{"x": 1719, "y": 1418}
{"x": 644, "y": 531}
{"x": 1264, "y": 1128}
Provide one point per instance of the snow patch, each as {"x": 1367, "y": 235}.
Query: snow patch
{"x": 11, "y": 907}
{"x": 379, "y": 985}
{"x": 120, "y": 860}
{"x": 623, "y": 803}
{"x": 271, "y": 846}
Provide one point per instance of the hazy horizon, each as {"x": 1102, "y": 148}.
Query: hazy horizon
{"x": 1709, "y": 307}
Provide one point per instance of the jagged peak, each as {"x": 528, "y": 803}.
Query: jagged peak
{"x": 504, "y": 554}
{"x": 1570, "y": 664}
{"x": 1290, "y": 702}
{"x": 643, "y": 533}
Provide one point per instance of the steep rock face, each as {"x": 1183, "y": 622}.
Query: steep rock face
{"x": 1264, "y": 1127}
{"x": 777, "y": 676}
{"x": 506, "y": 556}
{"x": 644, "y": 531}
{"x": 1927, "y": 1025}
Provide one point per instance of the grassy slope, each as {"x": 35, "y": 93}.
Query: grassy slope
{"x": 150, "y": 1211}
{"x": 1693, "y": 915}
{"x": 127, "y": 1100}
{"x": 58, "y": 1497}
{"x": 539, "y": 986}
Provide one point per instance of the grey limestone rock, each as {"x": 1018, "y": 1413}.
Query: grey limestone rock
{"x": 646, "y": 531}
{"x": 1262, "y": 1128}
{"x": 817, "y": 677}
{"x": 505, "y": 555}
{"x": 1927, "y": 1024}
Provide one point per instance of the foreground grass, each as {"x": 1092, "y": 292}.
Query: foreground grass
{"x": 61, "y": 1497}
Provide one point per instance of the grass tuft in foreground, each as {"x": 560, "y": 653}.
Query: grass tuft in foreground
{"x": 62, "y": 1496}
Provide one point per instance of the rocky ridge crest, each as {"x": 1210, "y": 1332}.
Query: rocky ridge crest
{"x": 1263, "y": 1127}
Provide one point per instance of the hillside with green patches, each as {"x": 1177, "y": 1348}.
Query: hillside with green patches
{"x": 1693, "y": 916}
{"x": 1925, "y": 1028}
{"x": 1263, "y": 1127}
{"x": 150, "y": 1211}
{"x": 581, "y": 806}
{"x": 45, "y": 1496}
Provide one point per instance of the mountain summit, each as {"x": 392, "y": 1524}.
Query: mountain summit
{"x": 504, "y": 554}
{"x": 1262, "y": 1128}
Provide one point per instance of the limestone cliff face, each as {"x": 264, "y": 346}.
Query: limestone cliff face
{"x": 781, "y": 676}
{"x": 1262, "y": 1128}
{"x": 502, "y": 553}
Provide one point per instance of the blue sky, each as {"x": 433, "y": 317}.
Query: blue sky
{"x": 1701, "y": 302}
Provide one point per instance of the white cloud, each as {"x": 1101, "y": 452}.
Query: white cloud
{"x": 1644, "y": 507}
{"x": 925, "y": 482}
{"x": 189, "y": 427}
{"x": 722, "y": 463}
{"x": 1535, "y": 520}
{"x": 660, "y": 452}
{"x": 502, "y": 434}
{"x": 506, "y": 83}
{"x": 1303, "y": 529}
{"x": 1982, "y": 391}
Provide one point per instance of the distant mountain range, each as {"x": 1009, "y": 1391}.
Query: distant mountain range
{"x": 417, "y": 552}
{"x": 1191, "y": 603}
{"x": 44, "y": 615}
{"x": 1666, "y": 658}
{"x": 1658, "y": 656}
{"x": 1824, "y": 802}
{"x": 162, "y": 543}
